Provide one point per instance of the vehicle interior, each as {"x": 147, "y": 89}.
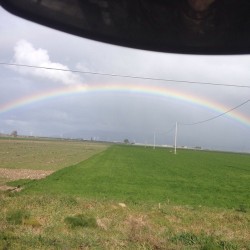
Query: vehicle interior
{"x": 125, "y": 124}
{"x": 185, "y": 26}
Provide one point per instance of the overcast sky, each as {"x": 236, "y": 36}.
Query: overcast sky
{"x": 116, "y": 115}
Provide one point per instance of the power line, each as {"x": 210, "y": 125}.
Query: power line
{"x": 167, "y": 132}
{"x": 170, "y": 130}
{"x": 145, "y": 78}
{"x": 217, "y": 116}
{"x": 207, "y": 120}
{"x": 126, "y": 76}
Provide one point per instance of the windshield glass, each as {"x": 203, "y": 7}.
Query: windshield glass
{"x": 139, "y": 95}
{"x": 131, "y": 146}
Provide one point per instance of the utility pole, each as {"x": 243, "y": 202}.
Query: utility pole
{"x": 154, "y": 140}
{"x": 175, "y": 138}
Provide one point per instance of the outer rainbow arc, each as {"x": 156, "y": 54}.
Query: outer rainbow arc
{"x": 140, "y": 89}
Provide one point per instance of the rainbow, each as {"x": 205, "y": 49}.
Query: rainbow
{"x": 150, "y": 90}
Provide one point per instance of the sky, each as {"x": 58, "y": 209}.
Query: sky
{"x": 52, "y": 103}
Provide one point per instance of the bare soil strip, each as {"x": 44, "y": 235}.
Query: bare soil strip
{"x": 16, "y": 174}
{"x": 5, "y": 188}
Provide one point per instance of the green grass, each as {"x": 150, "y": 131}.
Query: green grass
{"x": 80, "y": 220}
{"x": 64, "y": 222}
{"x": 17, "y": 216}
{"x": 192, "y": 200}
{"x": 204, "y": 241}
{"x": 133, "y": 174}
{"x": 45, "y": 154}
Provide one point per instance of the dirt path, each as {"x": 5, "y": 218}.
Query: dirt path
{"x": 16, "y": 174}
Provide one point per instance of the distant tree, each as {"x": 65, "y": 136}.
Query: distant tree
{"x": 14, "y": 133}
{"x": 126, "y": 141}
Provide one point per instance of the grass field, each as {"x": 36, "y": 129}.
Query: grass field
{"x": 138, "y": 174}
{"x": 130, "y": 197}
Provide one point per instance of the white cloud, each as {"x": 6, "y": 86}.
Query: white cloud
{"x": 25, "y": 53}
